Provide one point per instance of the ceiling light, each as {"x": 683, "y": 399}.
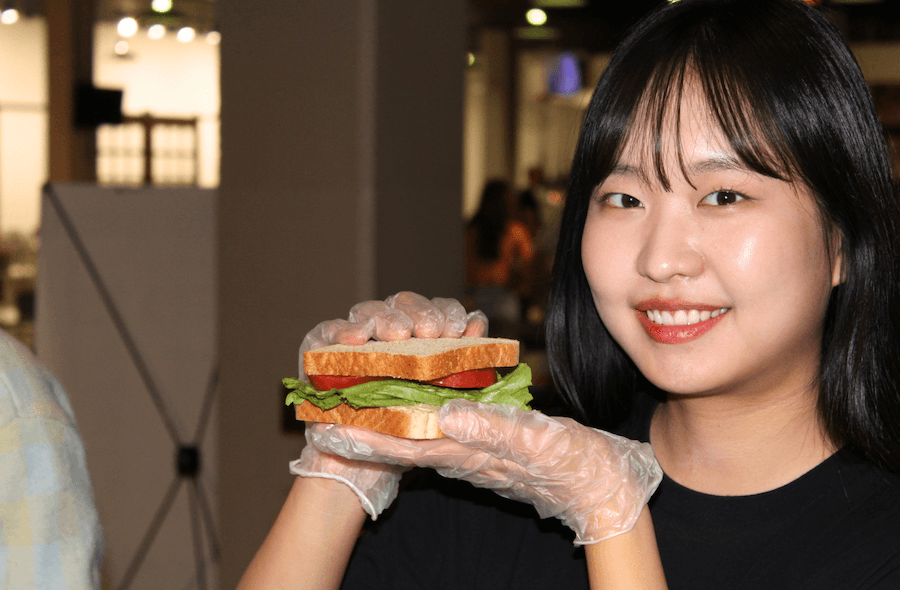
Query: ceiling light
{"x": 121, "y": 47}
{"x": 127, "y": 27}
{"x": 186, "y": 34}
{"x": 536, "y": 17}
{"x": 214, "y": 37}
{"x": 156, "y": 31}
{"x": 560, "y": 3}
{"x": 9, "y": 16}
{"x": 161, "y": 5}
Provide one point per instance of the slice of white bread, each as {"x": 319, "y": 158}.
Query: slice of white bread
{"x": 419, "y": 421}
{"x": 421, "y": 359}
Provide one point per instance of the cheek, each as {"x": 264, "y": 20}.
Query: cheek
{"x": 746, "y": 254}
{"x": 606, "y": 260}
{"x": 783, "y": 267}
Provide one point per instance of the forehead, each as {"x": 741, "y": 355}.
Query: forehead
{"x": 679, "y": 135}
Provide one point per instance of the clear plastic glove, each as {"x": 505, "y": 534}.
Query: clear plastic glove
{"x": 595, "y": 482}
{"x": 397, "y": 318}
{"x": 375, "y": 484}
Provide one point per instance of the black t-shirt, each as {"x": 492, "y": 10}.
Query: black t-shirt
{"x": 836, "y": 527}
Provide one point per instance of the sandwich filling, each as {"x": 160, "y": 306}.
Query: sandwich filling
{"x": 473, "y": 379}
{"x": 511, "y": 389}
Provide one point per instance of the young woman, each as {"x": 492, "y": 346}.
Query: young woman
{"x": 725, "y": 288}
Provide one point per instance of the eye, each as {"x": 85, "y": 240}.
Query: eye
{"x": 722, "y": 197}
{"x": 621, "y": 200}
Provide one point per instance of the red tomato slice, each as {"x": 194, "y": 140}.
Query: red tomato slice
{"x": 474, "y": 379}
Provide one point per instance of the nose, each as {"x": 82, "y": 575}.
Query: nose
{"x": 671, "y": 248}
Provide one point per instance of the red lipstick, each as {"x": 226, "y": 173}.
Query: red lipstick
{"x": 675, "y": 334}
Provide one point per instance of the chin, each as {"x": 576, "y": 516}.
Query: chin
{"x": 689, "y": 381}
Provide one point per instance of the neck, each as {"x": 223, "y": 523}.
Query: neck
{"x": 737, "y": 444}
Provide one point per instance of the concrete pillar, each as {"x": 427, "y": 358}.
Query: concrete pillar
{"x": 496, "y": 48}
{"x": 70, "y": 34}
{"x": 341, "y": 181}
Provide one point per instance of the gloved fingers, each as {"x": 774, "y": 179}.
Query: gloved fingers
{"x": 388, "y": 323}
{"x": 476, "y": 324}
{"x": 531, "y": 439}
{"x": 312, "y": 454}
{"x": 335, "y": 332}
{"x": 362, "y": 444}
{"x": 428, "y": 320}
{"x": 338, "y": 332}
{"x": 393, "y": 324}
{"x": 447, "y": 456}
{"x": 484, "y": 471}
{"x": 455, "y": 317}
{"x": 366, "y": 310}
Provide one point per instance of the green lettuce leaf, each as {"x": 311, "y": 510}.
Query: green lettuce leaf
{"x": 510, "y": 389}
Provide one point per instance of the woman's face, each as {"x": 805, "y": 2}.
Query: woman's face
{"x": 718, "y": 285}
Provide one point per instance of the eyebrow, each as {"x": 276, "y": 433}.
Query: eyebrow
{"x": 717, "y": 163}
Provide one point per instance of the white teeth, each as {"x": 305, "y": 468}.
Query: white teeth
{"x": 682, "y": 317}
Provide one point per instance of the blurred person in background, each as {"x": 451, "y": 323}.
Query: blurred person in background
{"x": 529, "y": 206}
{"x": 500, "y": 256}
{"x": 50, "y": 534}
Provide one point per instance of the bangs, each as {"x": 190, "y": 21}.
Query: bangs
{"x": 726, "y": 96}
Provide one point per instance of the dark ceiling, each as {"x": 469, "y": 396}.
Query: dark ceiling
{"x": 594, "y": 27}
{"x": 598, "y": 25}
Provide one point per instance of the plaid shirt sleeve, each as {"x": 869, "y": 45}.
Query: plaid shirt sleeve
{"x": 50, "y": 535}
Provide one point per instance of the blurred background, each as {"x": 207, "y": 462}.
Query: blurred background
{"x": 227, "y": 174}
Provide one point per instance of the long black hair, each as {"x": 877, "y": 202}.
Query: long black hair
{"x": 791, "y": 100}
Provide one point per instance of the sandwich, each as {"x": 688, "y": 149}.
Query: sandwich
{"x": 397, "y": 387}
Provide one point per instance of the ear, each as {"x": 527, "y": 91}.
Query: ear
{"x": 838, "y": 269}
{"x": 837, "y": 276}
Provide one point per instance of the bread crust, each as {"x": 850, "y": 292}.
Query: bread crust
{"x": 418, "y": 422}
{"x": 420, "y": 359}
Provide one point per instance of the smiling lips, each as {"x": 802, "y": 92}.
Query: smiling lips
{"x": 676, "y": 322}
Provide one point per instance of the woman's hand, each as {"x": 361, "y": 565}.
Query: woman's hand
{"x": 374, "y": 484}
{"x": 399, "y": 317}
{"x": 595, "y": 482}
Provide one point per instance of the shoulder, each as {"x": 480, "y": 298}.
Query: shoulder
{"x": 854, "y": 526}
{"x": 45, "y": 476}
{"x": 865, "y": 492}
{"x": 837, "y": 526}
{"x": 863, "y": 482}
{"x": 27, "y": 388}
